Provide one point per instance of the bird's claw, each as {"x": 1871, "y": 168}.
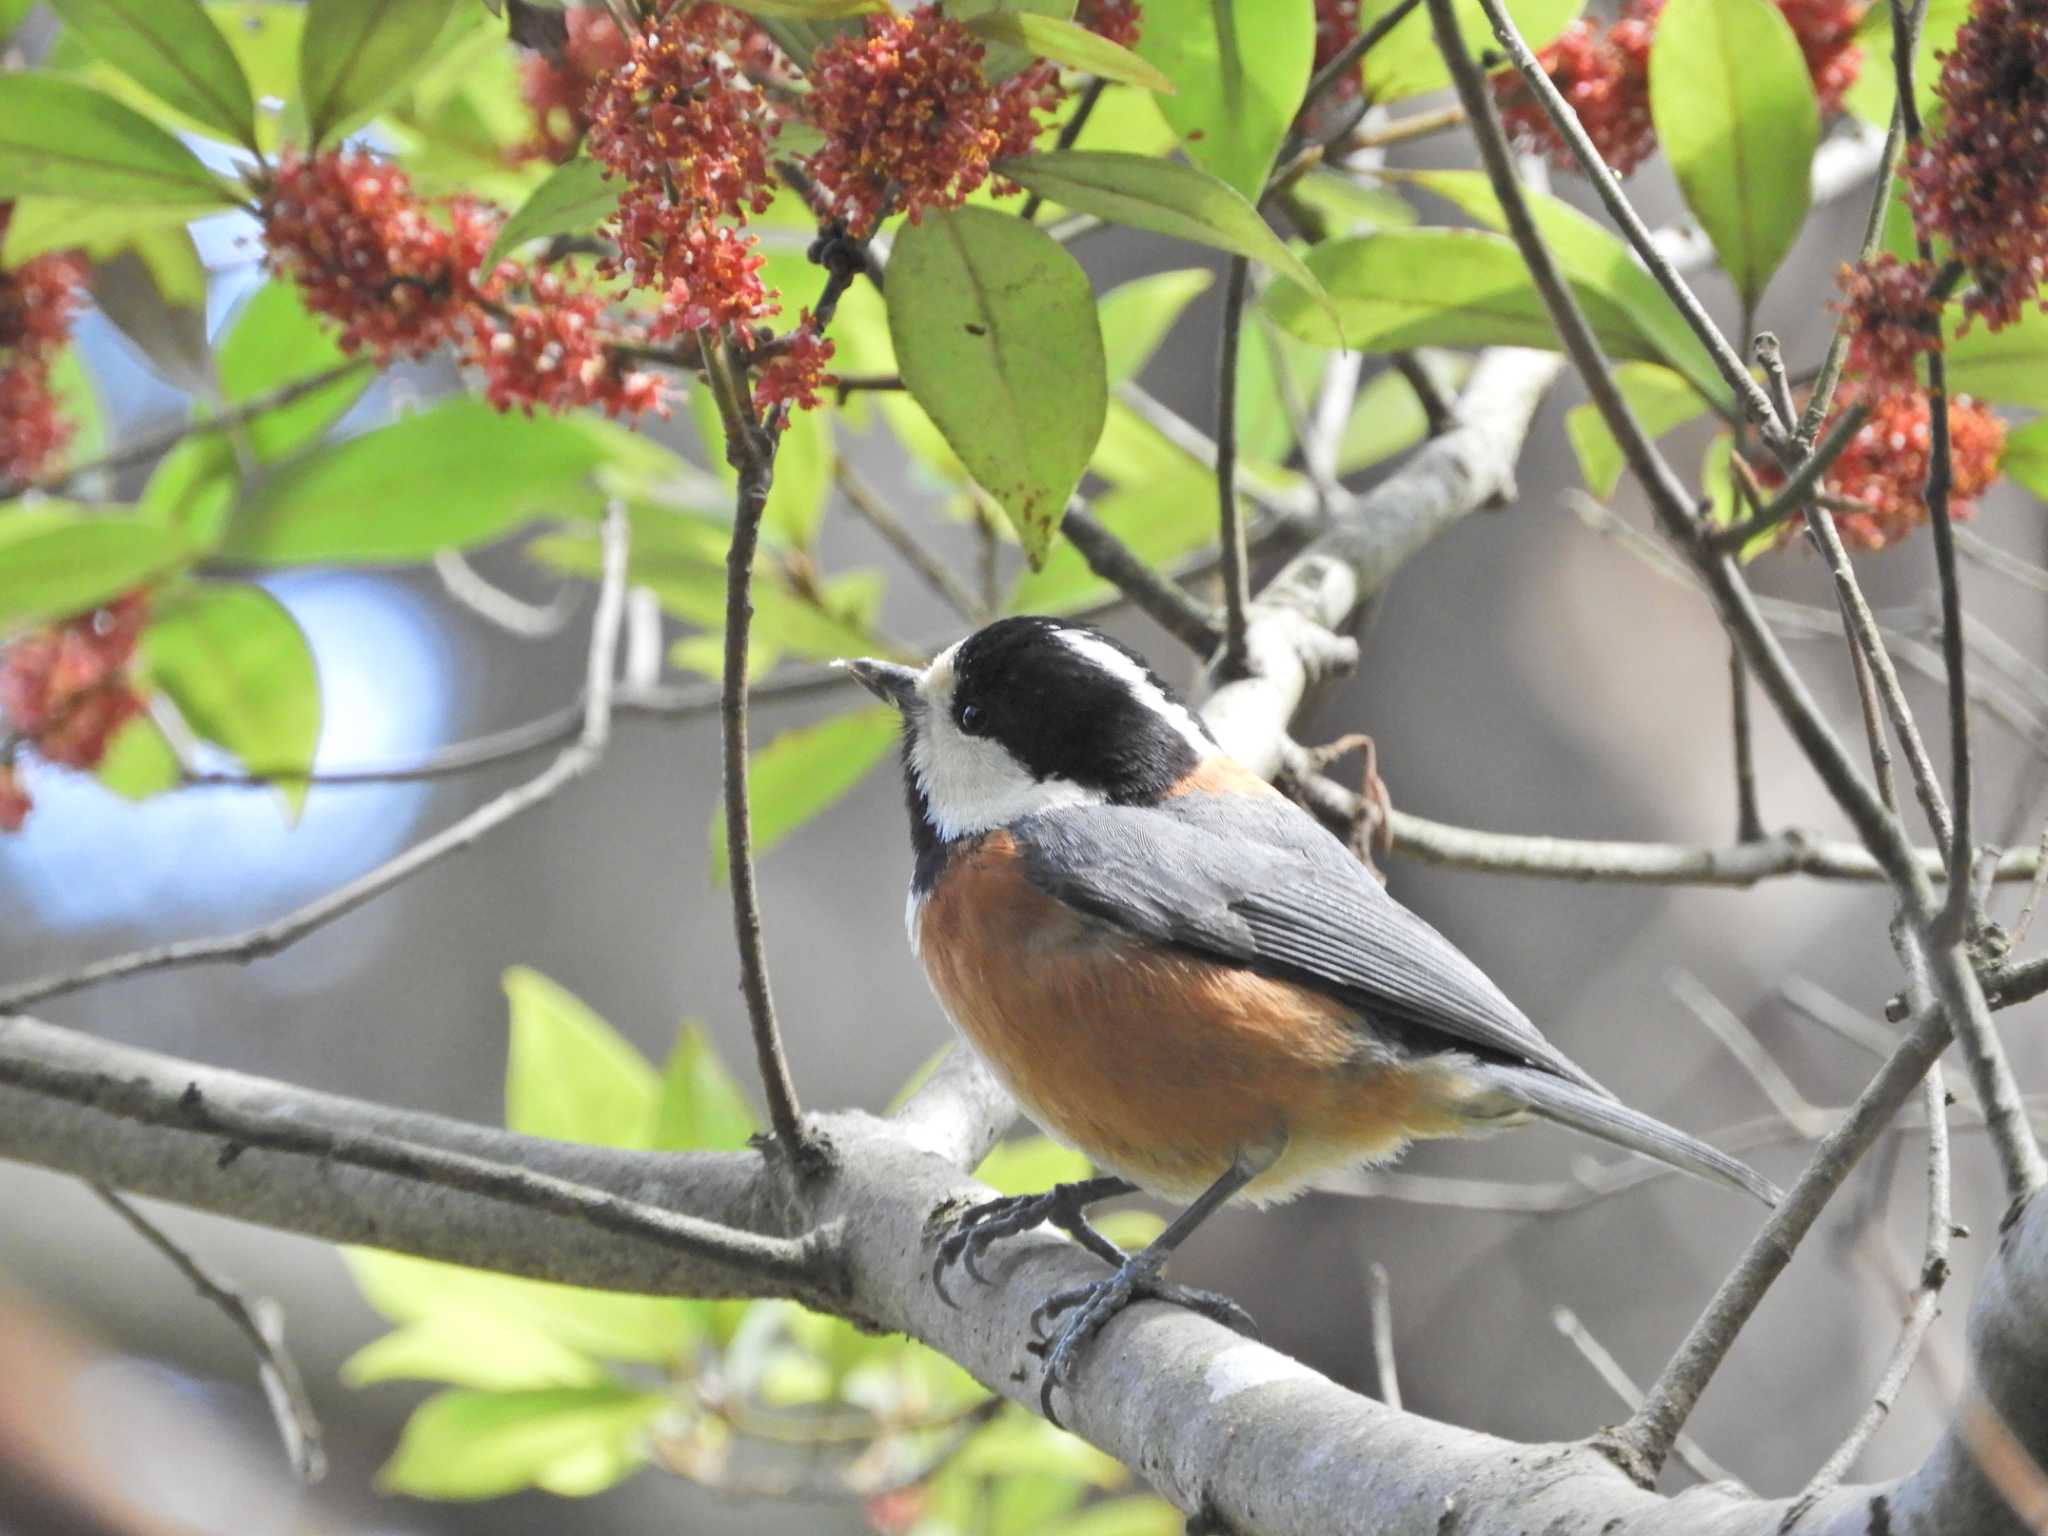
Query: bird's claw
{"x": 1093, "y": 1306}
{"x": 980, "y": 1227}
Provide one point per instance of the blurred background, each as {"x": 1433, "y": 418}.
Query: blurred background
{"x": 1525, "y": 674}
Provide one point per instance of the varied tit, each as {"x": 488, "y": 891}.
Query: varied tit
{"x": 1177, "y": 970}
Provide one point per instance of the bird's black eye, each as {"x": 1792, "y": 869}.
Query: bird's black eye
{"x": 971, "y": 719}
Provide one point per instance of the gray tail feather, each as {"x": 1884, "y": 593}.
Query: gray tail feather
{"x": 1567, "y": 1103}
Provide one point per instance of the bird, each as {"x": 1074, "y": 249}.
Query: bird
{"x": 1180, "y": 972}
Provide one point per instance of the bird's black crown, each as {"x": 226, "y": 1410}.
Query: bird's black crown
{"x": 1092, "y": 713}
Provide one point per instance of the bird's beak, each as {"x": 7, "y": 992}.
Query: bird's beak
{"x": 886, "y": 680}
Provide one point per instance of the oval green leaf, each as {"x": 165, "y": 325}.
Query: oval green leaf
{"x": 997, "y": 338}
{"x": 574, "y": 200}
{"x": 1736, "y": 116}
{"x": 274, "y": 344}
{"x": 1239, "y": 69}
{"x": 1064, "y": 42}
{"x": 445, "y": 478}
{"x": 357, "y": 53}
{"x": 1435, "y": 287}
{"x": 1661, "y": 401}
{"x": 702, "y": 1108}
{"x": 57, "y": 560}
{"x": 1163, "y": 196}
{"x": 237, "y": 665}
{"x": 569, "y": 1075}
{"x": 66, "y": 140}
{"x": 2008, "y": 366}
{"x": 573, "y": 1441}
{"x": 804, "y": 771}
{"x": 1137, "y": 315}
{"x": 172, "y": 48}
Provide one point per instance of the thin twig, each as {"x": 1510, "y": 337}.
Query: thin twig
{"x": 529, "y": 621}
{"x": 155, "y": 444}
{"x": 2003, "y": 561}
{"x": 1749, "y": 821}
{"x": 577, "y": 759}
{"x": 1237, "y": 598}
{"x": 1379, "y": 1295}
{"x": 261, "y": 1322}
{"x": 751, "y": 449}
{"x": 1437, "y": 409}
{"x": 1757, "y": 405}
{"x": 1798, "y": 1111}
{"x": 930, "y": 569}
{"x": 1619, "y": 1382}
{"x": 1069, "y": 135}
{"x": 1798, "y": 488}
{"x": 1346, "y": 58}
{"x": 1161, "y": 598}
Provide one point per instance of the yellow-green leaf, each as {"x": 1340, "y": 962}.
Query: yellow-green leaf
{"x": 355, "y": 54}
{"x": 57, "y": 559}
{"x": 804, "y": 771}
{"x": 173, "y": 48}
{"x": 1239, "y": 69}
{"x": 480, "y": 1445}
{"x": 1406, "y": 62}
{"x": 475, "y": 1349}
{"x": 61, "y": 139}
{"x": 574, "y": 200}
{"x": 1064, "y": 42}
{"x": 702, "y": 1107}
{"x": 1660, "y": 399}
{"x": 568, "y": 1074}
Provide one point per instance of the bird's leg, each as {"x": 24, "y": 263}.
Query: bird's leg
{"x": 1065, "y": 1206}
{"x": 1138, "y": 1278}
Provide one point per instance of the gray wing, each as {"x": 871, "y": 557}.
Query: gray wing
{"x": 1259, "y": 881}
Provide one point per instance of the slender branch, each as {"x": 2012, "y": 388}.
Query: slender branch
{"x": 1380, "y": 1298}
{"x": 1798, "y": 489}
{"x": 1623, "y": 1386}
{"x": 1756, "y": 404}
{"x": 930, "y": 569}
{"x": 143, "y": 449}
{"x": 1437, "y": 409}
{"x": 1069, "y": 135}
{"x": 1345, "y": 60}
{"x": 2003, "y": 561}
{"x": 577, "y": 759}
{"x": 1160, "y": 597}
{"x": 261, "y": 1322}
{"x": 1749, "y": 821}
{"x": 751, "y": 449}
{"x": 1236, "y": 559}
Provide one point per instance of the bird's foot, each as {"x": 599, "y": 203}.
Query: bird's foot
{"x": 980, "y": 1227}
{"x": 1093, "y": 1306}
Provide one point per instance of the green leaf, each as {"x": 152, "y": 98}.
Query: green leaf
{"x": 1725, "y": 506}
{"x": 66, "y": 140}
{"x": 1136, "y": 316}
{"x": 803, "y": 772}
{"x": 356, "y": 54}
{"x": 987, "y": 313}
{"x": 1661, "y": 400}
{"x": 568, "y": 1074}
{"x": 173, "y": 48}
{"x": 40, "y": 224}
{"x": 1591, "y": 257}
{"x": 479, "y": 1445}
{"x": 1435, "y": 287}
{"x": 1159, "y": 518}
{"x": 1002, "y": 59}
{"x": 1350, "y": 205}
{"x": 1387, "y": 418}
{"x": 1736, "y": 116}
{"x": 702, "y": 1107}
{"x": 139, "y": 761}
{"x": 192, "y": 490}
{"x": 1406, "y": 61}
{"x": 274, "y": 342}
{"x": 489, "y": 1353}
{"x": 78, "y": 402}
{"x": 236, "y": 664}
{"x": 652, "y": 1330}
{"x": 1065, "y": 43}
{"x": 1163, "y": 196}
{"x": 1134, "y": 1516}
{"x": 454, "y": 475}
{"x": 574, "y": 200}
{"x": 58, "y": 559}
{"x": 1239, "y": 69}
{"x": 2005, "y": 367}
{"x": 2026, "y": 456}
{"x": 1030, "y": 1165}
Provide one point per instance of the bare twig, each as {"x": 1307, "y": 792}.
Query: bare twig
{"x": 261, "y": 1322}
{"x": 1798, "y": 1111}
{"x": 1161, "y": 598}
{"x": 155, "y": 444}
{"x": 1437, "y": 409}
{"x": 2007, "y": 564}
{"x": 529, "y": 621}
{"x": 1236, "y": 558}
{"x": 575, "y": 760}
{"x": 1379, "y": 1295}
{"x": 1619, "y": 1382}
{"x": 1069, "y": 135}
{"x": 751, "y": 449}
{"x": 930, "y": 569}
{"x": 1798, "y": 488}
{"x": 1749, "y": 821}
{"x": 1346, "y": 58}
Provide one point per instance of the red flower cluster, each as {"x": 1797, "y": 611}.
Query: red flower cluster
{"x": 1892, "y": 319}
{"x": 794, "y": 375}
{"x": 552, "y": 352}
{"x": 910, "y": 121}
{"x": 1605, "y": 74}
{"x": 64, "y": 691}
{"x": 1978, "y": 183}
{"x": 36, "y": 301}
{"x": 364, "y": 252}
{"x": 367, "y": 253}
{"x": 556, "y": 90}
{"x": 1884, "y": 468}
{"x": 1119, "y": 20}
{"x": 713, "y": 282}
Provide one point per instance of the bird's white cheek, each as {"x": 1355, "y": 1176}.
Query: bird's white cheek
{"x": 971, "y": 784}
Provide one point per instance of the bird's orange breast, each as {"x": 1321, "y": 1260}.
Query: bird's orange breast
{"x": 1161, "y": 1065}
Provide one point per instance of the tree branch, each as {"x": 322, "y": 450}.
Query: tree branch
{"x": 1236, "y": 559}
